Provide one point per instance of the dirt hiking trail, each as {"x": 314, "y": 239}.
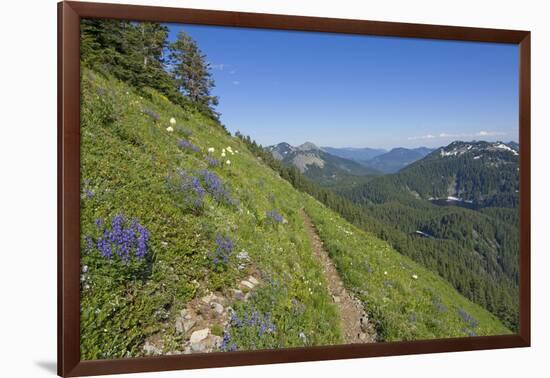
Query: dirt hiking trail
{"x": 355, "y": 322}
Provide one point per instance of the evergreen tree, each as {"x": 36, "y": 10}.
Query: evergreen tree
{"x": 191, "y": 72}
{"x": 132, "y": 52}
{"x": 144, "y": 46}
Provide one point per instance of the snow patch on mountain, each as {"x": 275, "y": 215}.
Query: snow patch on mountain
{"x": 461, "y": 148}
{"x": 502, "y": 146}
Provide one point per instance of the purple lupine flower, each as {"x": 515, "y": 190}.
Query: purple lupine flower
{"x": 263, "y": 329}
{"x": 191, "y": 187}
{"x": 274, "y": 215}
{"x": 260, "y": 323}
{"x": 467, "y": 317}
{"x": 212, "y": 162}
{"x": 142, "y": 239}
{"x": 226, "y": 344}
{"x": 235, "y": 321}
{"x": 199, "y": 191}
{"x": 89, "y": 244}
{"x": 126, "y": 244}
{"x": 223, "y": 250}
{"x": 186, "y": 145}
{"x": 116, "y": 228}
{"x": 215, "y": 187}
{"x": 121, "y": 239}
{"x": 151, "y": 114}
{"x": 254, "y": 319}
{"x": 105, "y": 248}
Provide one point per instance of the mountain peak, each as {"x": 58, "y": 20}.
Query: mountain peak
{"x": 307, "y": 146}
{"x": 280, "y": 150}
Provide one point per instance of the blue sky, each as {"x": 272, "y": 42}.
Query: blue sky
{"x": 360, "y": 91}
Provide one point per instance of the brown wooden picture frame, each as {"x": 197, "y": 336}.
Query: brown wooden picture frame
{"x": 69, "y": 15}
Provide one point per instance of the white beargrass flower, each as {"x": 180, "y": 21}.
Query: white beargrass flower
{"x": 228, "y": 162}
{"x": 414, "y": 276}
{"x": 172, "y": 121}
{"x": 211, "y": 150}
{"x": 223, "y": 154}
{"x": 385, "y": 273}
{"x": 170, "y": 129}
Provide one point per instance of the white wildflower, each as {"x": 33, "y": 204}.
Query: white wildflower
{"x": 170, "y": 129}
{"x": 172, "y": 121}
{"x": 211, "y": 150}
{"x": 223, "y": 150}
{"x": 229, "y": 149}
{"x": 228, "y": 162}
{"x": 236, "y": 151}
{"x": 385, "y": 273}
{"x": 223, "y": 154}
{"x": 84, "y": 268}
{"x": 415, "y": 277}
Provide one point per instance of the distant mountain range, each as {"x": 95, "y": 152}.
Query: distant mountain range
{"x": 477, "y": 173}
{"x": 330, "y": 164}
{"x": 380, "y": 159}
{"x": 318, "y": 164}
{"x": 360, "y": 155}
{"x": 397, "y": 158}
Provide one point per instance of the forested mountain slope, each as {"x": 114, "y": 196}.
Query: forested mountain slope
{"x": 475, "y": 244}
{"x": 483, "y": 173}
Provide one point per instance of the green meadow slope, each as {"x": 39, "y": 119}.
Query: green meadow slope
{"x": 202, "y": 225}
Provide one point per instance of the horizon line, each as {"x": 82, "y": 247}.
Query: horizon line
{"x": 391, "y": 148}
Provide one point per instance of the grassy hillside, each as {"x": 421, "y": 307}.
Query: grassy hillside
{"x": 165, "y": 222}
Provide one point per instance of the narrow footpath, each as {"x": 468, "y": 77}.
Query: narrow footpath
{"x": 355, "y": 322}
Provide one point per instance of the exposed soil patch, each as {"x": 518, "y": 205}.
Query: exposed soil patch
{"x": 355, "y": 322}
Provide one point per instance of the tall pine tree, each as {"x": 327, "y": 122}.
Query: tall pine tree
{"x": 191, "y": 72}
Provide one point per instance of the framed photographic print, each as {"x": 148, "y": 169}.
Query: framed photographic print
{"x": 239, "y": 188}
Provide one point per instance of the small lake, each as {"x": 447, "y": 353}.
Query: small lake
{"x": 446, "y": 202}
